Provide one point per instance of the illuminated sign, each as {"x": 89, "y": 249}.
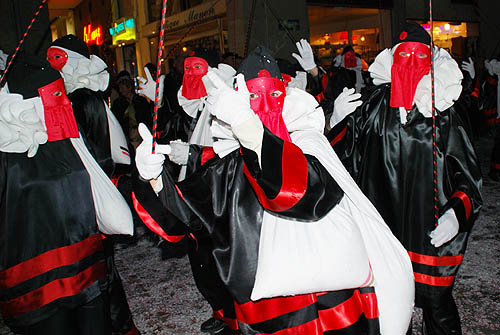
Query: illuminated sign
{"x": 123, "y": 30}
{"x": 92, "y": 36}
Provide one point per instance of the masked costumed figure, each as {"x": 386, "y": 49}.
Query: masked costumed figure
{"x": 272, "y": 209}
{"x": 55, "y": 197}
{"x": 488, "y": 104}
{"x": 192, "y": 97}
{"x": 387, "y": 145}
{"x": 86, "y": 79}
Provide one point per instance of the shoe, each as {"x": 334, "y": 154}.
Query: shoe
{"x": 227, "y": 331}
{"x": 493, "y": 174}
{"x": 172, "y": 250}
{"x": 212, "y": 326}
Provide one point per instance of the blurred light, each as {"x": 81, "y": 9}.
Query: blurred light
{"x": 151, "y": 42}
{"x": 133, "y": 63}
{"x": 184, "y": 49}
{"x": 362, "y": 38}
{"x": 446, "y": 26}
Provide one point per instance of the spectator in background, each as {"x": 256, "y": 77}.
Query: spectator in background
{"x": 489, "y": 101}
{"x": 232, "y": 58}
{"x": 130, "y": 108}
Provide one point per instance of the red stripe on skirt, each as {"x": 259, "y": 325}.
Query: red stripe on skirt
{"x": 50, "y": 260}
{"x": 435, "y": 260}
{"x": 432, "y": 280}
{"x": 56, "y": 289}
{"x": 266, "y": 309}
{"x": 349, "y": 312}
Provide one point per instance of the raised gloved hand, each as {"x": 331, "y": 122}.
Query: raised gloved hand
{"x": 227, "y": 104}
{"x": 148, "y": 164}
{"x": 446, "y": 229}
{"x": 180, "y": 152}
{"x": 147, "y": 86}
{"x": 345, "y": 104}
{"x": 469, "y": 67}
{"x": 306, "y": 57}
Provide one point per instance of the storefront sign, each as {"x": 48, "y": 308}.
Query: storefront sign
{"x": 92, "y": 36}
{"x": 204, "y": 11}
{"x": 122, "y": 30}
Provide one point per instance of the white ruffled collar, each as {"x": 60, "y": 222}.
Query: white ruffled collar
{"x": 447, "y": 77}
{"x": 83, "y": 72}
{"x": 301, "y": 112}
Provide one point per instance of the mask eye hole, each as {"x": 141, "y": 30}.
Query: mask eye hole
{"x": 253, "y": 96}
{"x": 197, "y": 66}
{"x": 404, "y": 54}
{"x": 57, "y": 93}
{"x": 421, "y": 55}
{"x": 276, "y": 94}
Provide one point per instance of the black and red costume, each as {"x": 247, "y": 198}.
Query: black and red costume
{"x": 391, "y": 160}
{"x": 52, "y": 260}
{"x": 228, "y": 199}
{"x": 86, "y": 79}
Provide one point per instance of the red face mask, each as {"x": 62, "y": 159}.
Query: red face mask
{"x": 57, "y": 58}
{"x": 58, "y": 112}
{"x": 350, "y": 59}
{"x": 267, "y": 96}
{"x": 192, "y": 85}
{"x": 411, "y": 61}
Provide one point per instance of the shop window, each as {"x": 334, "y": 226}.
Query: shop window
{"x": 458, "y": 38}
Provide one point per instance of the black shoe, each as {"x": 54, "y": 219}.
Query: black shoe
{"x": 172, "y": 250}
{"x": 227, "y": 331}
{"x": 212, "y": 326}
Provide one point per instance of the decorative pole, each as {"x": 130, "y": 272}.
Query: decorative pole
{"x": 21, "y": 42}
{"x": 158, "y": 70}
{"x": 434, "y": 128}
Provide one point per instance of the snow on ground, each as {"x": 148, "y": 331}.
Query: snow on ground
{"x": 164, "y": 299}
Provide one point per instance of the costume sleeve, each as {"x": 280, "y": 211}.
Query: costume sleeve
{"x": 155, "y": 212}
{"x": 290, "y": 182}
{"x": 462, "y": 176}
{"x": 347, "y": 136}
{"x": 90, "y": 115}
{"x": 198, "y": 156}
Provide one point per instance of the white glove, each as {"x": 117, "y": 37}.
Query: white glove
{"x": 306, "y": 57}
{"x": 226, "y": 104}
{"x": 148, "y": 164}
{"x": 147, "y": 86}
{"x": 469, "y": 67}
{"x": 345, "y": 104}
{"x": 446, "y": 229}
{"x": 180, "y": 152}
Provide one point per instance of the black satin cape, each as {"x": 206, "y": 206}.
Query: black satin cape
{"x": 218, "y": 198}
{"x": 393, "y": 165}
{"x": 47, "y": 217}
